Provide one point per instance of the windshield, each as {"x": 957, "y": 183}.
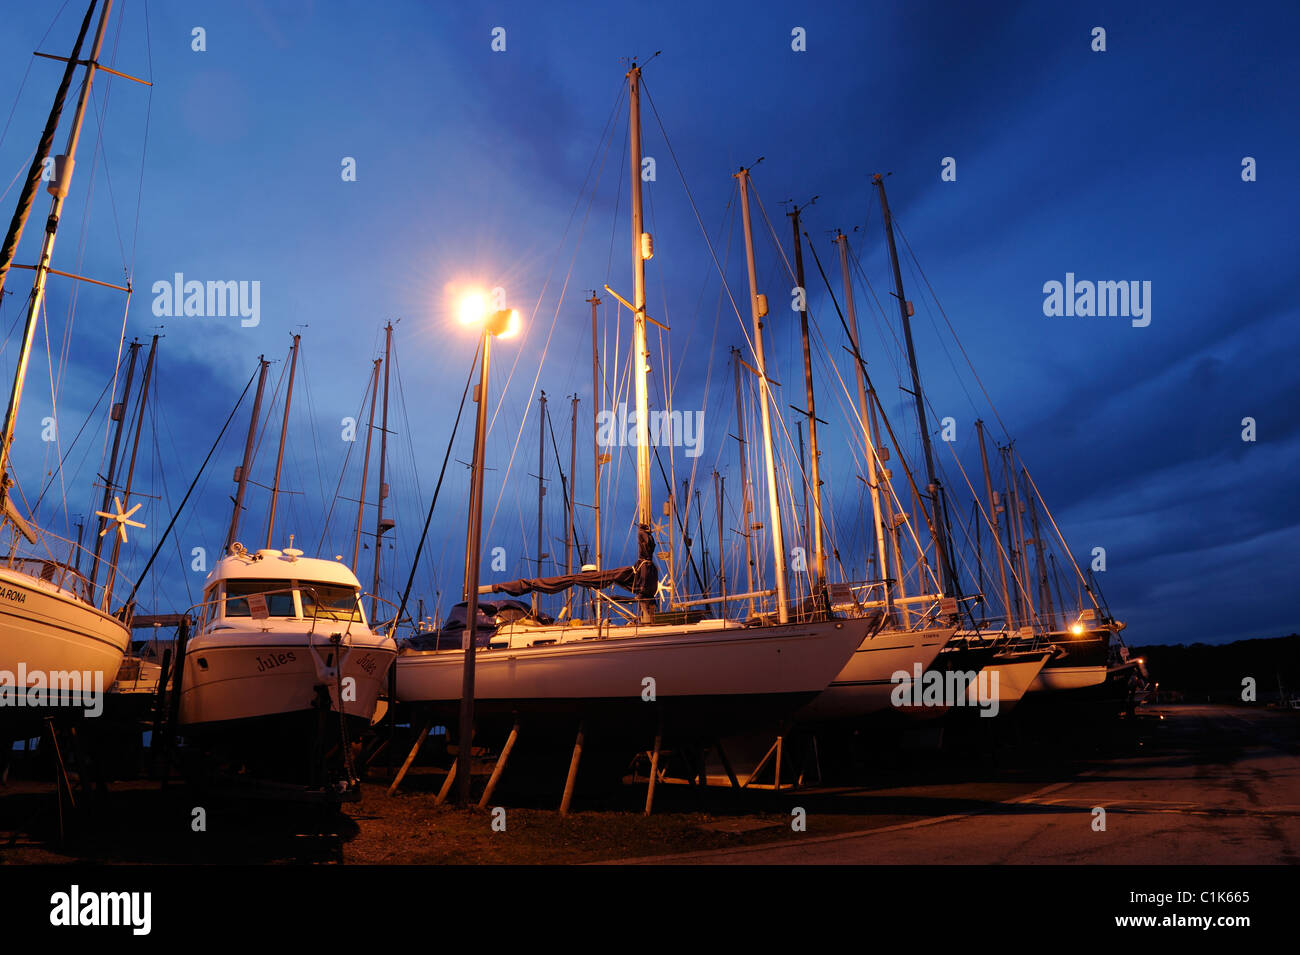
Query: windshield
{"x": 330, "y": 602}
{"x": 279, "y": 604}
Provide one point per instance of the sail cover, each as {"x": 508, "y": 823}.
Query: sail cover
{"x": 619, "y": 576}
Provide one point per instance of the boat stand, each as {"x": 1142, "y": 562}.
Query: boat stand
{"x": 410, "y": 757}
{"x": 775, "y": 754}
{"x": 567, "y": 799}
{"x": 654, "y": 767}
{"x": 500, "y": 766}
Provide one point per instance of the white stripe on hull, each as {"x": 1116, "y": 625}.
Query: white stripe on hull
{"x": 49, "y": 631}
{"x": 270, "y": 674}
{"x": 695, "y": 661}
{"x": 864, "y": 686}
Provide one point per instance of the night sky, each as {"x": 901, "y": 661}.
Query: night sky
{"x": 509, "y": 168}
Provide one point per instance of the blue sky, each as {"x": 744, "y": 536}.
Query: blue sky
{"x": 472, "y": 166}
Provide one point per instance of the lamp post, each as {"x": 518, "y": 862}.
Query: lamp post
{"x": 502, "y": 323}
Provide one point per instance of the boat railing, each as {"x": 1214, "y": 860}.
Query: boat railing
{"x": 391, "y": 622}
{"x": 59, "y": 562}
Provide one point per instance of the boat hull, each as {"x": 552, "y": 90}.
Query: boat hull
{"x": 1014, "y": 676}
{"x": 865, "y": 685}
{"x": 708, "y": 679}
{"x": 44, "y": 630}
{"x": 1081, "y": 663}
{"x": 231, "y": 679}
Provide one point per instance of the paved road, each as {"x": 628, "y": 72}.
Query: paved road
{"x": 1216, "y": 785}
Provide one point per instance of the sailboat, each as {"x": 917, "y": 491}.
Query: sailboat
{"x": 54, "y": 624}
{"x": 283, "y": 652}
{"x": 865, "y": 685}
{"x": 708, "y": 675}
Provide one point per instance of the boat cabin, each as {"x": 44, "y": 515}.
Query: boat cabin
{"x": 273, "y": 585}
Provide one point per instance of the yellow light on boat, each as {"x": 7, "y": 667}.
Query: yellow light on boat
{"x": 1076, "y": 628}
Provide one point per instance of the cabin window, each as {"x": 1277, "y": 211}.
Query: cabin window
{"x": 330, "y": 602}
{"x": 278, "y": 604}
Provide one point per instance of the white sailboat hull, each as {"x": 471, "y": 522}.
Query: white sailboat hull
{"x": 711, "y": 667}
{"x": 864, "y": 685}
{"x": 1057, "y": 679}
{"x": 234, "y": 676}
{"x": 1014, "y": 677}
{"x": 46, "y": 630}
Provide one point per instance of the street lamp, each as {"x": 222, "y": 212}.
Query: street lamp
{"x": 473, "y": 310}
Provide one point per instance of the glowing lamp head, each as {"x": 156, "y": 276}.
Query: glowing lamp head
{"x": 472, "y": 308}
{"x": 1076, "y": 628}
{"x": 505, "y": 323}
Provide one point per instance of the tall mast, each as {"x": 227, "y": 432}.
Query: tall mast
{"x": 722, "y": 552}
{"x": 284, "y": 433}
{"x": 640, "y": 355}
{"x": 383, "y": 466}
{"x": 58, "y": 188}
{"x": 873, "y": 478}
{"x": 595, "y": 422}
{"x": 1044, "y": 585}
{"x": 130, "y": 471}
{"x": 704, "y": 547}
{"x": 118, "y": 414}
{"x": 569, "y": 533}
{"x": 365, "y": 466}
{"x": 23, "y": 210}
{"x": 814, "y": 477}
{"x": 993, "y": 516}
{"x": 746, "y": 505}
{"x": 893, "y": 535}
{"x": 947, "y": 575}
{"x": 803, "y": 469}
{"x": 242, "y": 474}
{"x": 541, "y": 491}
{"x": 758, "y": 309}
{"x": 1015, "y": 527}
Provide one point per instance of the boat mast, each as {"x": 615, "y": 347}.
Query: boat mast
{"x": 284, "y": 433}
{"x": 130, "y": 471}
{"x": 704, "y": 547}
{"x": 746, "y": 505}
{"x": 595, "y": 421}
{"x": 365, "y": 464}
{"x": 947, "y": 575}
{"x": 722, "y": 553}
{"x": 993, "y": 518}
{"x": 569, "y": 532}
{"x": 118, "y": 414}
{"x": 758, "y": 309}
{"x": 241, "y": 476}
{"x": 383, "y": 466}
{"x": 1016, "y": 528}
{"x": 541, "y": 491}
{"x": 814, "y": 476}
{"x": 58, "y": 188}
{"x": 1044, "y": 585}
{"x": 873, "y": 478}
{"x": 640, "y": 354}
{"x": 37, "y": 169}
